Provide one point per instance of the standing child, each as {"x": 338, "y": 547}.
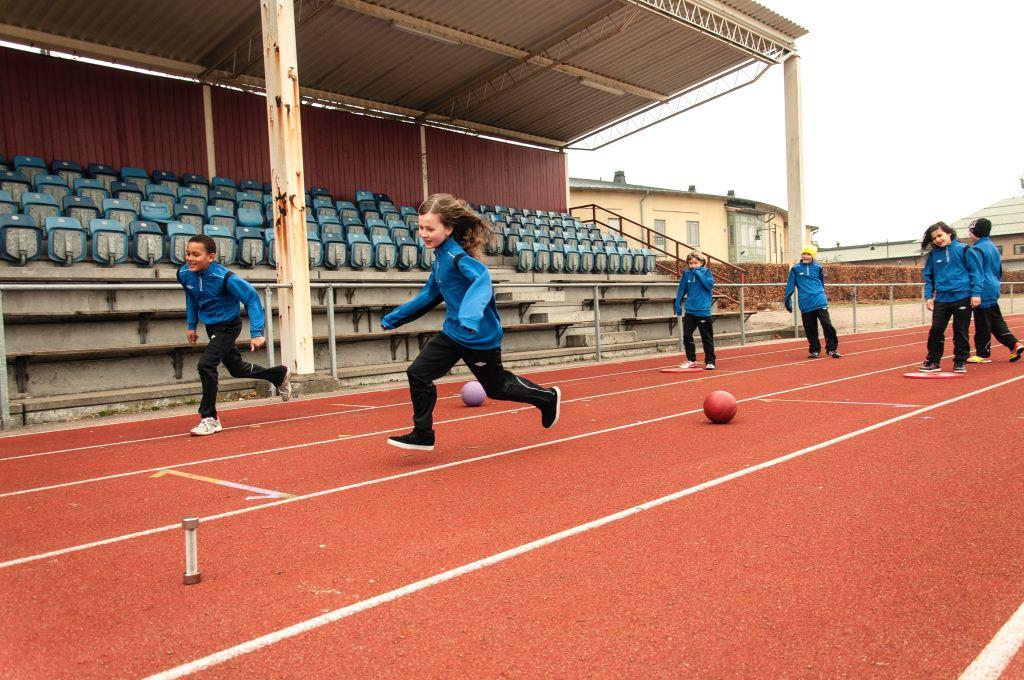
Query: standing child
{"x": 988, "y": 318}
{"x": 696, "y": 285}
{"x": 212, "y": 295}
{"x": 952, "y": 286}
{"x": 808, "y": 277}
{"x": 472, "y": 329}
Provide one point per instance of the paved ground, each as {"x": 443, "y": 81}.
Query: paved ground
{"x": 869, "y": 317}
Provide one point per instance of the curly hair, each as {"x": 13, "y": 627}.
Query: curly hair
{"x": 469, "y": 230}
{"x": 926, "y": 242}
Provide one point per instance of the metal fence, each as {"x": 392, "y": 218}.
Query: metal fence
{"x": 268, "y": 288}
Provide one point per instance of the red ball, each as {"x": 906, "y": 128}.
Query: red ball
{"x": 720, "y": 407}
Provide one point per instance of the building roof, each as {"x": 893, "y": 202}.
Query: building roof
{"x": 604, "y": 185}
{"x": 548, "y": 73}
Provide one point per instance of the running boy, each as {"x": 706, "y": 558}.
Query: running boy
{"x": 988, "y": 318}
{"x": 808, "y": 277}
{"x": 696, "y": 285}
{"x": 212, "y": 295}
{"x": 952, "y": 286}
{"x": 472, "y": 329}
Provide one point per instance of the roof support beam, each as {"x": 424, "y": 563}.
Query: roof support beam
{"x": 386, "y": 14}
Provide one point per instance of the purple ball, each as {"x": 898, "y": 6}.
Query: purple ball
{"x": 473, "y": 393}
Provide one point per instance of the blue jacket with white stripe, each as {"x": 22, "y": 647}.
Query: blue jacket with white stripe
{"x": 210, "y": 300}
{"x": 991, "y": 270}
{"x": 696, "y": 286}
{"x": 809, "y": 280}
{"x": 952, "y": 273}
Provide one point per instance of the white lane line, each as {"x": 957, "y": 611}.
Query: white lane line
{"x": 344, "y": 612}
{"x": 999, "y": 652}
{"x": 412, "y": 473}
{"x": 332, "y": 413}
{"x": 845, "y": 403}
{"x": 246, "y": 454}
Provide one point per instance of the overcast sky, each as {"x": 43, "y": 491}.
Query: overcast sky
{"x": 913, "y": 113}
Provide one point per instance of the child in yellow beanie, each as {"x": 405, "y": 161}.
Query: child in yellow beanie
{"x": 807, "y": 276}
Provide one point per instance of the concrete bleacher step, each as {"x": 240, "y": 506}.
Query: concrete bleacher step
{"x": 551, "y": 316}
{"x": 529, "y": 295}
{"x": 587, "y": 338}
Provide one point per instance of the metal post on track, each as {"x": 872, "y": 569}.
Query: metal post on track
{"x": 5, "y": 397}
{"x": 743, "y": 325}
{"x": 924, "y": 307}
{"x": 192, "y": 573}
{"x": 268, "y": 331}
{"x": 597, "y": 322}
{"x": 796, "y": 306}
{"x": 853, "y": 300}
{"x": 892, "y": 306}
{"x": 332, "y": 343}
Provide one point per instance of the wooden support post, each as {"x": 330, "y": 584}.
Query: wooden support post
{"x": 211, "y": 146}
{"x": 287, "y": 180}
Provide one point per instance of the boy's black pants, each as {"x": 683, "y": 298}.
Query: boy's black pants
{"x": 437, "y": 358}
{"x": 705, "y": 325}
{"x": 960, "y": 311}
{"x": 222, "y": 349}
{"x": 989, "y": 321}
{"x": 811, "y": 320}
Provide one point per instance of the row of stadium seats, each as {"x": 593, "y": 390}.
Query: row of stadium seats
{"x": 109, "y": 242}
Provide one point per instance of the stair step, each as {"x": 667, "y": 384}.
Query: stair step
{"x": 526, "y": 295}
{"x": 578, "y": 316}
{"x": 586, "y": 339}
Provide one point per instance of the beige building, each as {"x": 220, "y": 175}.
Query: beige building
{"x": 733, "y": 229}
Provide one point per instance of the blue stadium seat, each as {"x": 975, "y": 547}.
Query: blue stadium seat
{"x": 315, "y": 252}
{"x": 312, "y": 229}
{"x": 625, "y": 261}
{"x": 326, "y": 212}
{"x": 571, "y": 259}
{"x": 224, "y": 237}
{"x": 39, "y": 206}
{"x": 161, "y": 193}
{"x": 14, "y": 183}
{"x": 586, "y": 260}
{"x": 190, "y": 215}
{"x": 222, "y": 197}
{"x": 127, "y": 191}
{"x": 30, "y": 166}
{"x": 147, "y": 242}
{"x": 378, "y": 196}
{"x": 156, "y": 212}
{"x": 360, "y": 251}
{"x": 80, "y": 208}
{"x": 69, "y": 171}
{"x": 330, "y": 225}
{"x": 344, "y": 205}
{"x": 427, "y": 255}
{"x": 251, "y": 247}
{"x": 407, "y": 210}
{"x": 251, "y": 185}
{"x": 397, "y": 231}
{"x": 353, "y": 225}
{"x": 21, "y": 239}
{"x": 193, "y": 197}
{"x": 335, "y": 250}
{"x": 136, "y": 176}
{"x": 385, "y": 254}
{"x": 495, "y": 243}
{"x": 104, "y": 173}
{"x": 513, "y": 238}
{"x": 178, "y": 234}
{"x": 247, "y": 200}
{"x": 556, "y": 259}
{"x": 7, "y": 204}
{"x": 225, "y": 184}
{"x": 650, "y": 261}
{"x": 614, "y": 260}
{"x": 600, "y": 259}
{"x": 320, "y": 192}
{"x": 377, "y": 227}
{"x": 638, "y": 260}
{"x": 220, "y": 217}
{"x": 364, "y": 195}
{"x": 408, "y": 252}
{"x": 109, "y": 241}
{"x": 250, "y": 217}
{"x": 386, "y": 206}
{"x": 365, "y": 206}
{"x": 120, "y": 211}
{"x": 269, "y": 237}
{"x": 92, "y": 189}
{"x": 65, "y": 240}
{"x": 52, "y": 185}
{"x": 166, "y": 178}
{"x": 412, "y": 221}
{"x": 524, "y": 258}
{"x": 197, "y": 182}
{"x": 3, "y": 162}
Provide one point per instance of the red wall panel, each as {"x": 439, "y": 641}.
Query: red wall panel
{"x": 485, "y": 171}
{"x": 58, "y": 108}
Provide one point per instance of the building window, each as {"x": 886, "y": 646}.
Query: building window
{"x": 744, "y": 246}
{"x": 615, "y": 223}
{"x": 999, "y": 249}
{"x": 693, "y": 233}
{"x": 1018, "y": 248}
{"x": 659, "y": 233}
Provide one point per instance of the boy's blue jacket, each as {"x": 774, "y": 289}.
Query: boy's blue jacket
{"x": 464, "y": 284}
{"x": 991, "y": 270}
{"x": 952, "y": 273}
{"x": 207, "y": 299}
{"x": 809, "y": 279}
{"x": 696, "y": 285}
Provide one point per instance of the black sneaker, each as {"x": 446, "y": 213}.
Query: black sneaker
{"x": 417, "y": 440}
{"x": 835, "y": 354}
{"x": 930, "y": 367}
{"x": 959, "y": 367}
{"x": 550, "y": 412}
{"x": 813, "y": 355}
{"x": 1016, "y": 352}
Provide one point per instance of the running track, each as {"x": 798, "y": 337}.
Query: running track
{"x": 848, "y": 523}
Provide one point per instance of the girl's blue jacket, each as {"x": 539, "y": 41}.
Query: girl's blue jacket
{"x": 696, "y": 286}
{"x": 991, "y": 269}
{"x": 952, "y": 273}
{"x": 464, "y": 285}
{"x": 809, "y": 279}
{"x": 210, "y": 300}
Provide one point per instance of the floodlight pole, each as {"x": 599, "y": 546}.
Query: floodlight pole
{"x": 794, "y": 157}
{"x": 287, "y": 181}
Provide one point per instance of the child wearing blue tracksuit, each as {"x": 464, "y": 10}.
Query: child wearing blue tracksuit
{"x": 696, "y": 285}
{"x": 952, "y": 287}
{"x": 808, "y": 277}
{"x": 212, "y": 296}
{"x": 988, "y": 318}
{"x": 472, "y": 328}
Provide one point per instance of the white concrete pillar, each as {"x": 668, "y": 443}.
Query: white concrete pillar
{"x": 211, "y": 148}
{"x": 794, "y": 159}
{"x": 287, "y": 180}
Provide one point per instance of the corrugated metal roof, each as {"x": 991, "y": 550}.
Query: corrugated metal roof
{"x": 350, "y": 49}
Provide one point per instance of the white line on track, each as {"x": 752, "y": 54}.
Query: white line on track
{"x": 844, "y": 403}
{"x": 360, "y": 407}
{"x": 335, "y": 440}
{"x": 413, "y": 473}
{"x": 344, "y": 612}
{"x": 999, "y": 652}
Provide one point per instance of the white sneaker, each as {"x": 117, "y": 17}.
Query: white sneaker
{"x": 284, "y": 390}
{"x": 709, "y": 367}
{"x": 688, "y": 364}
{"x": 207, "y": 426}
